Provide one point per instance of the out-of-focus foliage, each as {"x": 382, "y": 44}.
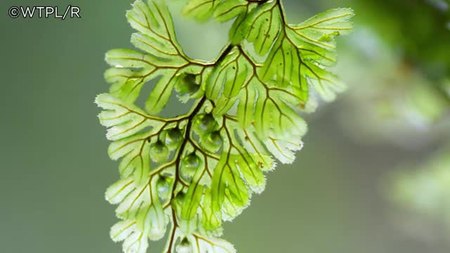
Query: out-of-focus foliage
{"x": 426, "y": 189}
{"x": 400, "y": 58}
{"x": 397, "y": 65}
{"x": 400, "y": 94}
{"x": 423, "y": 193}
{"x": 419, "y": 30}
{"x": 389, "y": 96}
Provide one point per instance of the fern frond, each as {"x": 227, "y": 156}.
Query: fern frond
{"x": 199, "y": 169}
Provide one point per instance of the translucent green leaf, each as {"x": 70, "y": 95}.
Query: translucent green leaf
{"x": 211, "y": 244}
{"x": 252, "y": 169}
{"x": 229, "y": 9}
{"x": 121, "y": 119}
{"x": 229, "y": 193}
{"x": 136, "y": 161}
{"x": 196, "y": 243}
{"x": 153, "y": 221}
{"x": 227, "y": 79}
{"x": 284, "y": 148}
{"x": 129, "y": 128}
{"x": 271, "y": 111}
{"x": 123, "y": 147}
{"x": 200, "y": 9}
{"x": 299, "y": 56}
{"x": 160, "y": 94}
{"x": 236, "y": 34}
{"x": 261, "y": 27}
{"x": 253, "y": 146}
{"x": 132, "y": 69}
{"x": 325, "y": 83}
{"x": 283, "y": 68}
{"x": 117, "y": 192}
{"x": 128, "y": 58}
{"x": 246, "y": 107}
{"x": 123, "y": 229}
{"x": 193, "y": 197}
{"x": 311, "y": 52}
{"x": 152, "y": 19}
{"x": 127, "y": 83}
{"x": 322, "y": 28}
{"x": 211, "y": 219}
{"x": 134, "y": 240}
{"x": 137, "y": 242}
{"x": 222, "y": 10}
{"x": 130, "y": 205}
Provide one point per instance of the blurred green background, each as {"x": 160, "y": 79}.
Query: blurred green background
{"x": 374, "y": 175}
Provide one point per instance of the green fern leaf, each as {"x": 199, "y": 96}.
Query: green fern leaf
{"x": 199, "y": 169}
{"x": 221, "y": 10}
{"x": 261, "y": 26}
{"x": 301, "y": 53}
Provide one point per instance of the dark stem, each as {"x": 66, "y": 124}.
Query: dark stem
{"x": 186, "y": 139}
{"x": 177, "y": 166}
